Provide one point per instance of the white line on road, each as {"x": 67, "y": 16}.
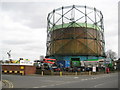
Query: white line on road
{"x": 57, "y": 84}
{"x": 43, "y": 86}
{"x": 10, "y": 84}
{"x": 35, "y": 87}
{"x": 76, "y": 77}
{"x": 98, "y": 85}
{"x": 82, "y": 79}
{"x": 52, "y": 85}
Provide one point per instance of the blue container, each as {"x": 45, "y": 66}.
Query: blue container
{"x": 63, "y": 63}
{"x": 67, "y": 63}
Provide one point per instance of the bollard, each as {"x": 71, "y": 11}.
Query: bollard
{"x": 42, "y": 73}
{"x": 76, "y": 73}
{"x": 51, "y": 72}
{"x": 89, "y": 72}
{"x": 22, "y": 72}
{"x": 22, "y": 68}
{"x": 60, "y": 73}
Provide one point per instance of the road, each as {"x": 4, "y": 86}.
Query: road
{"x": 79, "y": 81}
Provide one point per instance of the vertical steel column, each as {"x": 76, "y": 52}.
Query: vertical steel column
{"x": 96, "y": 32}
{"x": 62, "y": 16}
{"x": 95, "y": 23}
{"x": 53, "y": 30}
{"x": 103, "y": 39}
{"x": 73, "y": 23}
{"x": 62, "y": 28}
{"x": 48, "y": 26}
{"x": 86, "y": 31}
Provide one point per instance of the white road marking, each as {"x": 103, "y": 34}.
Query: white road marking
{"x": 57, "y": 84}
{"x": 35, "y": 87}
{"x": 10, "y": 84}
{"x": 98, "y": 85}
{"x": 76, "y": 77}
{"x": 43, "y": 86}
{"x": 82, "y": 79}
{"x": 52, "y": 85}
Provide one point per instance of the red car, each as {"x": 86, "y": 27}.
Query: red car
{"x": 48, "y": 60}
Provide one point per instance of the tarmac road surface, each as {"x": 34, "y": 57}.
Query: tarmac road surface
{"x": 71, "y": 81}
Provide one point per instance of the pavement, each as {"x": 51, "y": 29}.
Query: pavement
{"x": 66, "y": 81}
{"x": 0, "y": 84}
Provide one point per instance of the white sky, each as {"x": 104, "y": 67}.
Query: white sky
{"x": 23, "y": 25}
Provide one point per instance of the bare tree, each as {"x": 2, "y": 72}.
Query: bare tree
{"x": 111, "y": 54}
{"x": 1, "y": 61}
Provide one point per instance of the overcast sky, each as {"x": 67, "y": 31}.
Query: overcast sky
{"x": 23, "y": 25}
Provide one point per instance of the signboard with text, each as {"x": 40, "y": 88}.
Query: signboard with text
{"x": 94, "y": 69}
{"x": 24, "y": 62}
